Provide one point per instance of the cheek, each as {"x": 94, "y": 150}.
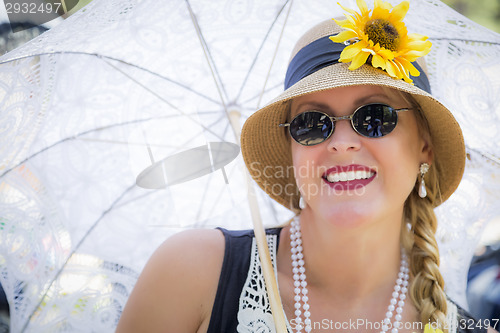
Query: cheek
{"x": 304, "y": 159}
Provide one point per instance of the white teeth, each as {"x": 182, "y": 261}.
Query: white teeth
{"x": 350, "y": 175}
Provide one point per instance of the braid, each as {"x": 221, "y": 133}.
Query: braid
{"x": 426, "y": 289}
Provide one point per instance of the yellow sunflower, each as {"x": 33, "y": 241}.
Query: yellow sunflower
{"x": 381, "y": 34}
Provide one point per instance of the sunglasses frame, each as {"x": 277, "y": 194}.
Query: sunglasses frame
{"x": 334, "y": 119}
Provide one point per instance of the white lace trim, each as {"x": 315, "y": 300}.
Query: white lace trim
{"x": 452, "y": 317}
{"x": 254, "y": 314}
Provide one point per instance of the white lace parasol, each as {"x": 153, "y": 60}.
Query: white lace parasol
{"x": 124, "y": 85}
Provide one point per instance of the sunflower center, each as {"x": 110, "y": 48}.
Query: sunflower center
{"x": 384, "y": 33}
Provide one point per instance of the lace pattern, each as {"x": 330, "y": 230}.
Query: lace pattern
{"x": 77, "y": 100}
{"x": 254, "y": 313}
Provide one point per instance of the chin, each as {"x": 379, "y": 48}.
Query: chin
{"x": 348, "y": 214}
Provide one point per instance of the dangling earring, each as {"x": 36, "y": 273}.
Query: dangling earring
{"x": 422, "y": 192}
{"x": 302, "y": 203}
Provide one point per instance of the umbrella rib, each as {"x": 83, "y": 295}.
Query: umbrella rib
{"x": 162, "y": 99}
{"x": 254, "y": 62}
{"x": 74, "y": 137}
{"x": 274, "y": 55}
{"x": 117, "y": 60}
{"x": 208, "y": 55}
{"x": 465, "y": 40}
{"x": 104, "y": 213}
{"x": 490, "y": 157}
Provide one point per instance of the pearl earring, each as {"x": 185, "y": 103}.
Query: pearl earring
{"x": 422, "y": 192}
{"x": 302, "y": 203}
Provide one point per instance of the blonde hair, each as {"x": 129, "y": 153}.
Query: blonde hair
{"x": 418, "y": 237}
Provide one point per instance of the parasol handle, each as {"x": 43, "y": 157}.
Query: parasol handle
{"x": 260, "y": 237}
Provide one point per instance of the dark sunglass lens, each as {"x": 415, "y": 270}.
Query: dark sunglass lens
{"x": 375, "y": 120}
{"x": 310, "y": 128}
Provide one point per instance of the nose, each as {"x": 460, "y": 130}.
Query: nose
{"x": 344, "y": 138}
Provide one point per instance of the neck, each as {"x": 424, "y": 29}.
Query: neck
{"x": 351, "y": 262}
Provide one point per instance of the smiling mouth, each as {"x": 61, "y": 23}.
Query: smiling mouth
{"x": 346, "y": 176}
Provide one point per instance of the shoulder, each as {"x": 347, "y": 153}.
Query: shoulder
{"x": 176, "y": 289}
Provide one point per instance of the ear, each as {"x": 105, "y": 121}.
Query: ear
{"x": 426, "y": 151}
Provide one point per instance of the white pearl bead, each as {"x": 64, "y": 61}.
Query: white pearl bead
{"x": 300, "y": 283}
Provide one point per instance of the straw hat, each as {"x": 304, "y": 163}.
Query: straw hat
{"x": 266, "y": 146}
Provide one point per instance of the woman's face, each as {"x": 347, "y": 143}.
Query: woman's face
{"x": 386, "y": 168}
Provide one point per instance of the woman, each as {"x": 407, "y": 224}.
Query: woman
{"x": 363, "y": 156}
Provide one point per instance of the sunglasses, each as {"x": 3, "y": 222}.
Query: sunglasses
{"x": 310, "y": 128}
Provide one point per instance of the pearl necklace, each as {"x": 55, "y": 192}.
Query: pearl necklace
{"x": 300, "y": 284}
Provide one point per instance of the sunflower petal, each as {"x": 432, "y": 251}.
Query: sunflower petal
{"x": 349, "y": 10}
{"x": 399, "y": 12}
{"x": 359, "y": 60}
{"x": 362, "y": 6}
{"x": 378, "y": 61}
{"x": 392, "y": 70}
{"x": 418, "y": 45}
{"x": 403, "y": 72}
{"x": 409, "y": 67}
{"x": 386, "y": 54}
{"x": 352, "y": 50}
{"x": 343, "y": 36}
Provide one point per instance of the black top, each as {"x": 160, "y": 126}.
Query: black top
{"x": 237, "y": 255}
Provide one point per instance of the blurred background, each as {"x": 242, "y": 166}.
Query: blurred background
{"x": 484, "y": 275}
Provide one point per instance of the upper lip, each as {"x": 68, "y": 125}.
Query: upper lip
{"x": 347, "y": 168}
{"x": 338, "y": 169}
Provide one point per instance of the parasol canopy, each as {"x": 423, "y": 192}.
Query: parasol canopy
{"x": 119, "y": 127}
